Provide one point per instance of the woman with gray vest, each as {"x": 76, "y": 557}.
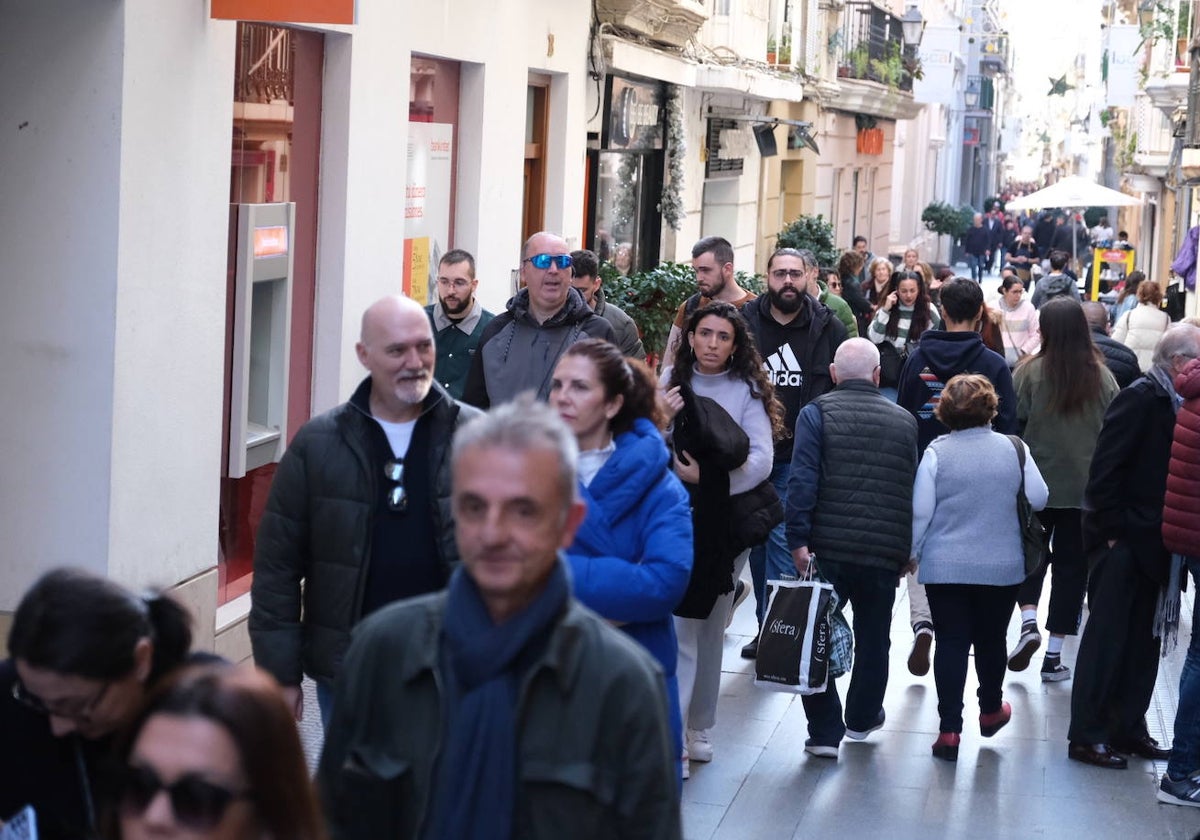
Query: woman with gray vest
{"x": 964, "y": 500}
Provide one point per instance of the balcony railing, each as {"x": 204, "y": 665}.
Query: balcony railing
{"x": 263, "y": 67}
{"x": 872, "y": 48}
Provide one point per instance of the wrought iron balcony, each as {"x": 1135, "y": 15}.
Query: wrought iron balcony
{"x": 263, "y": 66}
{"x": 871, "y": 47}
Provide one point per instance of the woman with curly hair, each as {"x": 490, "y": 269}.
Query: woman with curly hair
{"x": 725, "y": 421}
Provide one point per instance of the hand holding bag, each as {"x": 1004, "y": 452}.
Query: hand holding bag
{"x": 1033, "y": 533}
{"x": 795, "y": 642}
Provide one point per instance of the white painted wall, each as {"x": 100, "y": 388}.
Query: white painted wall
{"x": 115, "y": 207}
{"x": 60, "y": 148}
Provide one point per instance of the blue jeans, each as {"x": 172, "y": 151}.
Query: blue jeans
{"x": 872, "y": 593}
{"x": 976, "y": 263}
{"x": 772, "y": 560}
{"x": 325, "y": 703}
{"x": 1185, "y": 749}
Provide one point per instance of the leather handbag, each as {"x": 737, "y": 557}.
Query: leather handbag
{"x": 891, "y": 362}
{"x": 1033, "y": 533}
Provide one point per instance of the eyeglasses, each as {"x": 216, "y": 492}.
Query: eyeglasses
{"x": 397, "y": 496}
{"x": 544, "y": 261}
{"x": 31, "y": 701}
{"x": 458, "y": 283}
{"x": 197, "y": 804}
{"x": 783, "y": 273}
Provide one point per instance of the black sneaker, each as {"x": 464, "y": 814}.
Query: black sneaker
{"x": 1185, "y": 791}
{"x": 1053, "y": 670}
{"x": 750, "y": 650}
{"x": 1029, "y": 642}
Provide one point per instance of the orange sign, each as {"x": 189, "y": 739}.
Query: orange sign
{"x": 270, "y": 242}
{"x": 285, "y": 11}
{"x": 1114, "y": 256}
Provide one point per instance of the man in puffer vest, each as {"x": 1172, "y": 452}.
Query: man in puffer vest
{"x": 849, "y": 509}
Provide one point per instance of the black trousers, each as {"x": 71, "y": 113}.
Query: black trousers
{"x": 1118, "y": 654}
{"x": 966, "y": 615}
{"x": 1069, "y": 581}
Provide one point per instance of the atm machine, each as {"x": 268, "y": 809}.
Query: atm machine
{"x": 262, "y": 315}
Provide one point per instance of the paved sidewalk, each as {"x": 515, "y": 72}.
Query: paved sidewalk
{"x": 1018, "y": 784}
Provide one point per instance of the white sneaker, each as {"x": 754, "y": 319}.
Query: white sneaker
{"x": 1029, "y": 642}
{"x": 699, "y": 748}
{"x": 820, "y": 750}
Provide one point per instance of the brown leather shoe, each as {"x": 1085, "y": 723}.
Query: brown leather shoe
{"x": 1144, "y": 747}
{"x": 1098, "y": 755}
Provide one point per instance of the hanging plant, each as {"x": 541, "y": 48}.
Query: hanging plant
{"x": 671, "y": 203}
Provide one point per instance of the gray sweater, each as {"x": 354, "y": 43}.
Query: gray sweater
{"x": 965, "y": 527}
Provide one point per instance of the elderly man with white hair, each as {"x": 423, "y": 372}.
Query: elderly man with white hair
{"x": 849, "y": 513}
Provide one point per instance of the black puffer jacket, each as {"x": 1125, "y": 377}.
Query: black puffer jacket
{"x": 1121, "y": 361}
{"x": 317, "y": 530}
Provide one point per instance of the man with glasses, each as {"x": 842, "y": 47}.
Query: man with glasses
{"x": 521, "y": 346}
{"x": 359, "y": 510}
{"x": 458, "y": 319}
{"x": 797, "y": 337}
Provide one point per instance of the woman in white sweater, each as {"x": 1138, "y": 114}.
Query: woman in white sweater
{"x": 1140, "y": 328}
{"x": 716, "y": 358}
{"x": 1019, "y": 327}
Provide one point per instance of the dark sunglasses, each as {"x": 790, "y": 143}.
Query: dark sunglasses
{"x": 397, "y": 496}
{"x": 196, "y": 804}
{"x": 544, "y": 261}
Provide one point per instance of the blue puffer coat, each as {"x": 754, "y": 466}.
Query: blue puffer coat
{"x": 632, "y": 556}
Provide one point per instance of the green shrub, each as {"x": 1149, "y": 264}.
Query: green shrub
{"x": 947, "y": 220}
{"x": 650, "y": 298}
{"x": 813, "y": 233}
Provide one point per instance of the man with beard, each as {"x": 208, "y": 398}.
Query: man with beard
{"x": 712, "y": 260}
{"x": 797, "y": 337}
{"x": 359, "y": 510}
{"x": 458, "y": 320}
{"x": 521, "y": 346}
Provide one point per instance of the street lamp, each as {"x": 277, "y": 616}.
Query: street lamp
{"x": 912, "y": 27}
{"x": 971, "y": 95}
{"x": 1145, "y": 13}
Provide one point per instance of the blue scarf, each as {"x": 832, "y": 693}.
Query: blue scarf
{"x": 476, "y": 792}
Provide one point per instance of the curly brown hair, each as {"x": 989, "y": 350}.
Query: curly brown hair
{"x": 967, "y": 401}
{"x": 745, "y": 363}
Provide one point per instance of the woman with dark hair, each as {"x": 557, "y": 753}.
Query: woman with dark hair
{"x": 630, "y": 560}
{"x": 720, "y": 399}
{"x": 215, "y": 755}
{"x": 84, "y": 652}
{"x": 904, "y": 313}
{"x": 1018, "y": 321}
{"x": 1063, "y": 392}
{"x": 967, "y": 544}
{"x": 1141, "y": 327}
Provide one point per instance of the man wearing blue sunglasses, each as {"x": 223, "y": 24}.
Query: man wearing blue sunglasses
{"x": 520, "y": 347}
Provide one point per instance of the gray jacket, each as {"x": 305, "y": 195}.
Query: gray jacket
{"x": 594, "y": 758}
{"x": 627, "y": 336}
{"x": 316, "y": 531}
{"x": 517, "y": 354}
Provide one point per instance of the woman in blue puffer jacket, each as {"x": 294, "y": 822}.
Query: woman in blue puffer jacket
{"x": 632, "y": 556}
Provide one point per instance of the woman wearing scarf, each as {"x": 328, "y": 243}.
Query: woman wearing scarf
{"x": 631, "y": 558}
{"x": 725, "y": 420}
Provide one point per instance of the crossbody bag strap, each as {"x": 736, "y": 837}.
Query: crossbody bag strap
{"x": 1016, "y": 442}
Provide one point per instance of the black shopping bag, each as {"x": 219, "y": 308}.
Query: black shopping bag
{"x": 795, "y": 643}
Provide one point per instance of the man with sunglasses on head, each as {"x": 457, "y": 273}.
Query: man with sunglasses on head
{"x": 521, "y": 346}
{"x": 359, "y": 510}
{"x": 458, "y": 319}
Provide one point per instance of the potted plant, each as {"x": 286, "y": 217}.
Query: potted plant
{"x": 771, "y": 50}
{"x": 784, "y": 55}
{"x": 946, "y": 220}
{"x": 650, "y": 298}
{"x": 860, "y": 60}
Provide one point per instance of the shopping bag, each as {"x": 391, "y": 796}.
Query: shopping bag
{"x": 795, "y": 642}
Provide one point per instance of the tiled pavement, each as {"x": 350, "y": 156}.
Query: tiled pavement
{"x": 1018, "y": 784}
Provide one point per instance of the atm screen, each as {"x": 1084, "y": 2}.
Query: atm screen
{"x": 270, "y": 241}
